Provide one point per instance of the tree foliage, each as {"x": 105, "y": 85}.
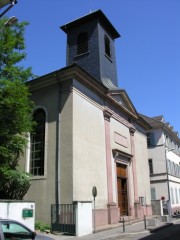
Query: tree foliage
{"x": 12, "y": 52}
{"x": 15, "y": 110}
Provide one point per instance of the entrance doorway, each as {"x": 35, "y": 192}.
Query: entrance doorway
{"x": 122, "y": 189}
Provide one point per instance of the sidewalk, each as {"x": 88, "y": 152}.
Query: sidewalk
{"x": 116, "y": 230}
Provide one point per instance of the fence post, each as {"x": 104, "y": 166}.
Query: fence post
{"x": 144, "y": 221}
{"x": 123, "y": 225}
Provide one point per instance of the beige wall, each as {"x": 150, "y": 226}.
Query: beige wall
{"x": 118, "y": 128}
{"x": 66, "y": 149}
{"x": 89, "y": 154}
{"x": 141, "y": 154}
{"x": 41, "y": 190}
{"x": 82, "y": 151}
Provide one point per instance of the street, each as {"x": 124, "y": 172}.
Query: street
{"x": 134, "y": 231}
{"x": 169, "y": 233}
{"x": 43, "y": 237}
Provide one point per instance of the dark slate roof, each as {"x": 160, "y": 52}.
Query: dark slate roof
{"x": 108, "y": 83}
{"x": 159, "y": 122}
{"x": 154, "y": 121}
{"x": 99, "y": 15}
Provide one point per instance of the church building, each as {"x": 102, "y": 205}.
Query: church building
{"x": 88, "y": 131}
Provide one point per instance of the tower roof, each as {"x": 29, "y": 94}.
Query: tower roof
{"x": 99, "y": 15}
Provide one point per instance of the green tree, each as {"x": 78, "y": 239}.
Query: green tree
{"x": 15, "y": 110}
{"x": 12, "y": 52}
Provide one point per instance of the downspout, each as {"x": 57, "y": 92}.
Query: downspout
{"x": 132, "y": 131}
{"x": 57, "y": 164}
{"x": 166, "y": 159}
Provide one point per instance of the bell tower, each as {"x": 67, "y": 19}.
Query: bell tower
{"x": 90, "y": 44}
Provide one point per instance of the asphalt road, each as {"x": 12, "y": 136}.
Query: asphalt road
{"x": 43, "y": 237}
{"x": 169, "y": 233}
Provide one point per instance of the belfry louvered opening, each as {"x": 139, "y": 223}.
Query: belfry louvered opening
{"x": 107, "y": 46}
{"x": 82, "y": 43}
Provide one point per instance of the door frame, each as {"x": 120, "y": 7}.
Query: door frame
{"x": 120, "y": 195}
{"x": 123, "y": 159}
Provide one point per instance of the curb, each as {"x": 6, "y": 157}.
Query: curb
{"x": 114, "y": 236}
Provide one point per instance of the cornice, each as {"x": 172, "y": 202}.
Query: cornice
{"x": 74, "y": 72}
{"x": 107, "y": 115}
{"x": 119, "y": 118}
{"x": 132, "y": 114}
{"x": 122, "y": 156}
{"x": 132, "y": 131}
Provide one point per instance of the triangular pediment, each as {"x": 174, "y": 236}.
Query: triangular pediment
{"x": 122, "y": 98}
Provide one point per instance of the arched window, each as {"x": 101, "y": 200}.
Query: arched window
{"x": 37, "y": 146}
{"x": 82, "y": 43}
{"x": 107, "y": 46}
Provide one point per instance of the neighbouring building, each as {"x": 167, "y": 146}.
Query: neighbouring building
{"x": 88, "y": 132}
{"x": 164, "y": 162}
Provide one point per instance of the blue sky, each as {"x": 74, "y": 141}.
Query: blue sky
{"x": 148, "y": 52}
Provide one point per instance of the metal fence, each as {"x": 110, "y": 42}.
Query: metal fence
{"x": 63, "y": 218}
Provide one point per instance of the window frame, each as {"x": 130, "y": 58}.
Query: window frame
{"x": 150, "y": 139}
{"x": 12, "y": 227}
{"x": 28, "y": 152}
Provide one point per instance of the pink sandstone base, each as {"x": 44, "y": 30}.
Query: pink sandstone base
{"x": 110, "y": 215}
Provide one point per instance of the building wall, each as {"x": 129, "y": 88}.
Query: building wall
{"x": 95, "y": 62}
{"x": 141, "y": 155}
{"x": 76, "y": 139}
{"x": 41, "y": 190}
{"x": 174, "y": 180}
{"x": 66, "y": 148}
{"x": 160, "y": 189}
{"x": 157, "y": 153}
{"x": 120, "y": 140}
{"x": 108, "y": 65}
{"x": 165, "y": 179}
{"x": 89, "y": 153}
{"x": 118, "y": 128}
{"x": 89, "y": 61}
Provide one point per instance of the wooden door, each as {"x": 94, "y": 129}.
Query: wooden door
{"x": 122, "y": 189}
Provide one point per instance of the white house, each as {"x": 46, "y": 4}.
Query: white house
{"x": 164, "y": 162}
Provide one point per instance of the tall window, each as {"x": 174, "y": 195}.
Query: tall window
{"x": 150, "y": 166}
{"x": 82, "y": 43}
{"x": 107, "y": 46}
{"x": 153, "y": 193}
{"x": 37, "y": 144}
{"x": 176, "y": 194}
{"x": 169, "y": 167}
{"x": 150, "y": 139}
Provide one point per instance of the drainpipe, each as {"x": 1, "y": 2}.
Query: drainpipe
{"x": 166, "y": 159}
{"x": 167, "y": 173}
{"x": 57, "y": 164}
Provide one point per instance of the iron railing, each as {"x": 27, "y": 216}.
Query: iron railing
{"x": 63, "y": 218}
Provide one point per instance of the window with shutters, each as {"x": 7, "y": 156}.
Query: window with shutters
{"x": 153, "y": 193}
{"x": 172, "y": 195}
{"x": 176, "y": 194}
{"x": 37, "y": 144}
{"x": 169, "y": 167}
{"x": 82, "y": 43}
